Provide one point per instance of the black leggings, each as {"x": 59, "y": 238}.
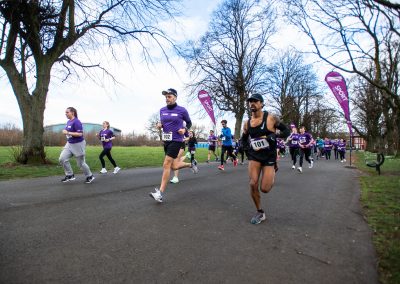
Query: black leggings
{"x": 293, "y": 153}
{"x": 305, "y": 153}
{"x": 342, "y": 155}
{"x": 328, "y": 154}
{"x": 230, "y": 153}
{"x": 106, "y": 152}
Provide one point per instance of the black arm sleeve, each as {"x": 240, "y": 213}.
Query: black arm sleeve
{"x": 188, "y": 124}
{"x": 284, "y": 130}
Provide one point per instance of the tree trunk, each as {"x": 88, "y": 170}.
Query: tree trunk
{"x": 32, "y": 117}
{"x": 32, "y": 111}
{"x": 238, "y": 124}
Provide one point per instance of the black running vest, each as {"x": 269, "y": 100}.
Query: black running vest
{"x": 259, "y": 130}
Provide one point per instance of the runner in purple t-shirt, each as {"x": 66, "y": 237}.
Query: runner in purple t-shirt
{"x": 75, "y": 146}
{"x": 212, "y": 145}
{"x": 328, "y": 145}
{"x": 106, "y": 136}
{"x": 342, "y": 150}
{"x": 335, "y": 148}
{"x": 172, "y": 118}
{"x": 306, "y": 143}
{"x": 294, "y": 146}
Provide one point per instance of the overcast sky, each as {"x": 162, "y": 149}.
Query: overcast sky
{"x": 129, "y": 105}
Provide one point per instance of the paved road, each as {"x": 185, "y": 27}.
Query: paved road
{"x": 111, "y": 231}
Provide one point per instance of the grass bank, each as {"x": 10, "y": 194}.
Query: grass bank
{"x": 126, "y": 157}
{"x": 380, "y": 197}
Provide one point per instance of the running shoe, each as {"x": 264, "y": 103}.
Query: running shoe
{"x": 258, "y": 218}
{"x": 311, "y": 165}
{"x": 103, "y": 171}
{"x": 235, "y": 163}
{"x": 68, "y": 178}
{"x": 221, "y": 167}
{"x": 195, "y": 169}
{"x": 156, "y": 195}
{"x": 174, "y": 180}
{"x": 293, "y": 167}
{"x": 116, "y": 170}
{"x": 195, "y": 161}
{"x": 300, "y": 169}
{"x": 344, "y": 160}
{"x": 89, "y": 179}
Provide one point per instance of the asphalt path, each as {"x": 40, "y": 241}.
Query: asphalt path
{"x": 111, "y": 231}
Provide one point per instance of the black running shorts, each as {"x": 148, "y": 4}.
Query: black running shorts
{"x": 266, "y": 158}
{"x": 171, "y": 148}
{"x": 211, "y": 148}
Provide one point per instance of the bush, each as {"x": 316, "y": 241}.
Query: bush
{"x": 10, "y": 135}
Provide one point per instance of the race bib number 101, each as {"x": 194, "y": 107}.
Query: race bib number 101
{"x": 259, "y": 143}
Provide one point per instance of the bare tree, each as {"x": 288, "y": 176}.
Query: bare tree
{"x": 35, "y": 35}
{"x": 351, "y": 35}
{"x": 228, "y": 60}
{"x": 151, "y": 126}
{"x": 199, "y": 131}
{"x": 293, "y": 88}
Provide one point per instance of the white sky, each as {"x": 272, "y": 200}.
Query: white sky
{"x": 129, "y": 105}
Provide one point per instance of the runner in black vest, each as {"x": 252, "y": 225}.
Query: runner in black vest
{"x": 260, "y": 134}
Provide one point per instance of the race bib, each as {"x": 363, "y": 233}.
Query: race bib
{"x": 167, "y": 136}
{"x": 68, "y": 136}
{"x": 259, "y": 143}
{"x": 223, "y": 138}
{"x": 103, "y": 138}
{"x": 302, "y": 140}
{"x": 294, "y": 142}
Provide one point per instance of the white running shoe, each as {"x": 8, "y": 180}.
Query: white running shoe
{"x": 116, "y": 170}
{"x": 311, "y": 165}
{"x": 293, "y": 167}
{"x": 175, "y": 179}
{"x": 344, "y": 160}
{"x": 103, "y": 171}
{"x": 300, "y": 169}
{"x": 195, "y": 169}
{"x": 156, "y": 195}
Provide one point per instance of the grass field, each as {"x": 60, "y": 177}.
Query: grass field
{"x": 125, "y": 157}
{"x": 380, "y": 197}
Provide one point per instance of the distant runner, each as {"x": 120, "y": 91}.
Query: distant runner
{"x": 76, "y": 146}
{"x": 106, "y": 136}
{"x": 306, "y": 143}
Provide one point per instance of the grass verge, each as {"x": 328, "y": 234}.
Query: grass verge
{"x": 125, "y": 157}
{"x": 380, "y": 197}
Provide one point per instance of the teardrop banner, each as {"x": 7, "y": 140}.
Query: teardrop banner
{"x": 205, "y": 100}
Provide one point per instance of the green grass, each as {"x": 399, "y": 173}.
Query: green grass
{"x": 126, "y": 157}
{"x": 380, "y": 197}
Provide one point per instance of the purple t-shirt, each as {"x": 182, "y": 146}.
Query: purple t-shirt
{"x": 210, "y": 142}
{"x": 294, "y": 142}
{"x": 305, "y": 139}
{"x": 281, "y": 143}
{"x": 74, "y": 125}
{"x": 106, "y": 134}
{"x": 172, "y": 120}
{"x": 341, "y": 146}
{"x": 328, "y": 145}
